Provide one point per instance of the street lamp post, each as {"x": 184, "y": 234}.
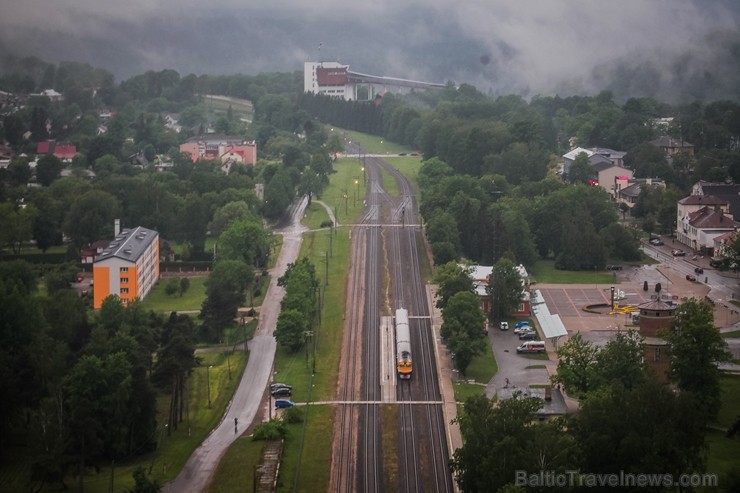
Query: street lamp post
{"x": 364, "y": 180}
{"x": 208, "y": 385}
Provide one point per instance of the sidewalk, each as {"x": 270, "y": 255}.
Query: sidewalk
{"x": 446, "y": 375}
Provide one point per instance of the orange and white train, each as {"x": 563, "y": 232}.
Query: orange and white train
{"x": 404, "y": 364}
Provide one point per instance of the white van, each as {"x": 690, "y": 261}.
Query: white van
{"x": 531, "y": 347}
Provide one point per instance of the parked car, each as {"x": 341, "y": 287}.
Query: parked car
{"x": 699, "y": 270}
{"x": 614, "y": 267}
{"x": 531, "y": 347}
{"x": 522, "y": 329}
{"x": 689, "y": 277}
{"x": 275, "y": 386}
{"x": 524, "y": 323}
{"x": 656, "y": 242}
{"x": 528, "y": 336}
{"x": 281, "y": 392}
{"x": 503, "y": 325}
{"x": 678, "y": 253}
{"x": 283, "y": 403}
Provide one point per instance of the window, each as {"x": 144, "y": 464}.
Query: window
{"x": 124, "y": 290}
{"x": 124, "y": 269}
{"x": 657, "y": 354}
{"x": 124, "y": 280}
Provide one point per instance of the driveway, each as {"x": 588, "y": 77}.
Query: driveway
{"x": 517, "y": 368}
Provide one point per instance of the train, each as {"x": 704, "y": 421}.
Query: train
{"x": 404, "y": 364}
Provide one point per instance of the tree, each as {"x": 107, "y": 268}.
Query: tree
{"x": 17, "y": 225}
{"x": 462, "y": 328}
{"x": 647, "y": 428}
{"x": 245, "y": 240}
{"x": 621, "y": 360}
{"x": 91, "y": 216}
{"x": 696, "y": 349}
{"x": 142, "y": 482}
{"x": 172, "y": 287}
{"x": 576, "y": 366}
{"x": 580, "y": 170}
{"x": 505, "y": 288}
{"x": 229, "y": 213}
{"x": 225, "y": 289}
{"x": 48, "y": 169}
{"x": 451, "y": 278}
{"x": 184, "y": 285}
{"x": 291, "y": 329}
{"x": 502, "y": 439}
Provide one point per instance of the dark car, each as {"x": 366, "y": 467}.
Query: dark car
{"x": 283, "y": 403}
{"x": 699, "y": 270}
{"x": 614, "y": 267}
{"x": 689, "y": 277}
{"x": 528, "y": 336}
{"x": 281, "y": 392}
{"x": 275, "y": 386}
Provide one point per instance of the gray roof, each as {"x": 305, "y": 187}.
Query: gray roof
{"x": 129, "y": 244}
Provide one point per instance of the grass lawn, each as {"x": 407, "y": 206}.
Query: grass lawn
{"x": 307, "y": 452}
{"x": 734, "y": 333}
{"x": 192, "y": 299}
{"x": 235, "y": 471}
{"x": 544, "y": 271}
{"x": 464, "y": 390}
{"x": 724, "y": 452}
{"x": 371, "y": 143}
{"x": 409, "y": 166}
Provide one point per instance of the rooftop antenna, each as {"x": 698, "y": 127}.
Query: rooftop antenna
{"x": 319, "y": 50}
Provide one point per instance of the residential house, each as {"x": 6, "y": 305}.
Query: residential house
{"x": 628, "y": 190}
{"x": 723, "y": 243}
{"x": 63, "y": 152}
{"x": 171, "y": 122}
{"x": 728, "y": 191}
{"x": 671, "y": 146}
{"x": 700, "y": 219}
{"x": 607, "y": 165}
{"x": 51, "y": 94}
{"x": 128, "y": 267}
{"x": 228, "y": 149}
{"x": 87, "y": 254}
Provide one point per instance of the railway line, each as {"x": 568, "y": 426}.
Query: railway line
{"x": 386, "y": 243}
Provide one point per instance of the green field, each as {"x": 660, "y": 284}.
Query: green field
{"x": 192, "y": 299}
{"x": 544, "y": 272}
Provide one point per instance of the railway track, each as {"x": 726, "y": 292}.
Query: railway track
{"x": 420, "y": 449}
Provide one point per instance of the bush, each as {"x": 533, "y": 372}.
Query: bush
{"x": 270, "y": 430}
{"x": 293, "y": 415}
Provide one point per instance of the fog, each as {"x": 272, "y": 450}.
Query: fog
{"x": 501, "y": 46}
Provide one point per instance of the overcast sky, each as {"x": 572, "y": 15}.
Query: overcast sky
{"x": 526, "y": 46}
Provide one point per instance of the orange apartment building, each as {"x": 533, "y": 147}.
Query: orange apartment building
{"x": 128, "y": 267}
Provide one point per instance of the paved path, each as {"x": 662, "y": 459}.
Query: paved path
{"x": 245, "y": 404}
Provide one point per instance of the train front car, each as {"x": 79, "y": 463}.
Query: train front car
{"x": 403, "y": 344}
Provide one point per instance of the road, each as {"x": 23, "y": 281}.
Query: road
{"x": 247, "y": 399}
{"x": 723, "y": 285}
